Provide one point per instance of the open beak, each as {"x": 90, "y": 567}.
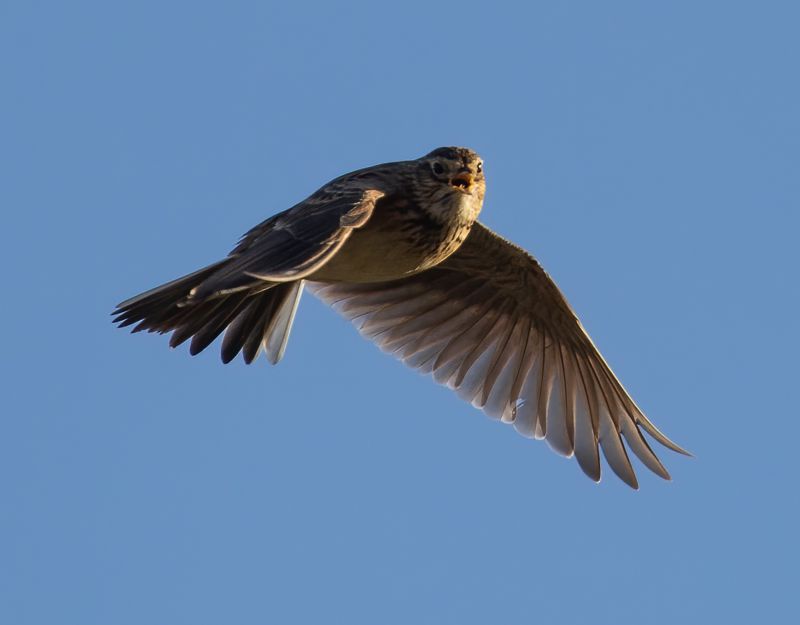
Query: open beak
{"x": 462, "y": 180}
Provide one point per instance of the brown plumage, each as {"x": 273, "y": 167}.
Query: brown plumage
{"x": 397, "y": 249}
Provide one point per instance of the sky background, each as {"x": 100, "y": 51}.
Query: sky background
{"x": 647, "y": 153}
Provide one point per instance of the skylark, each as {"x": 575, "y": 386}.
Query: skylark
{"x": 397, "y": 249}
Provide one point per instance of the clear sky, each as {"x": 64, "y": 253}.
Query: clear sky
{"x": 647, "y": 153}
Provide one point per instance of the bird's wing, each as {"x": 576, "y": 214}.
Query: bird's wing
{"x": 296, "y": 242}
{"x": 491, "y": 324}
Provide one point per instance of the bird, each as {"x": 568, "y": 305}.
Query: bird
{"x": 397, "y": 249}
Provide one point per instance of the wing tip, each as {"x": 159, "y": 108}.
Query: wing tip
{"x": 662, "y": 438}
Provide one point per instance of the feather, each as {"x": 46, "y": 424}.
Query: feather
{"x": 277, "y": 334}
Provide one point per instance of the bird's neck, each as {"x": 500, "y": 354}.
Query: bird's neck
{"x": 453, "y": 208}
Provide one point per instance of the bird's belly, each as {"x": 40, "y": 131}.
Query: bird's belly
{"x": 375, "y": 254}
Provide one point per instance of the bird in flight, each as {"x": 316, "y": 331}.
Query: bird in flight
{"x": 397, "y": 249}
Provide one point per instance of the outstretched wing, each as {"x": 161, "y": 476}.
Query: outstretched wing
{"x": 491, "y": 324}
{"x": 253, "y": 293}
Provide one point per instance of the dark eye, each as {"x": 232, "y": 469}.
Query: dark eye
{"x": 437, "y": 168}
{"x": 479, "y": 168}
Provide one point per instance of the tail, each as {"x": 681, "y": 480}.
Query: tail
{"x": 257, "y": 316}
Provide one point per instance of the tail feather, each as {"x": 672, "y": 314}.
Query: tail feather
{"x": 217, "y": 323}
{"x": 158, "y": 304}
{"x": 192, "y": 320}
{"x": 251, "y": 319}
{"x": 247, "y": 330}
{"x": 253, "y": 343}
{"x": 277, "y": 334}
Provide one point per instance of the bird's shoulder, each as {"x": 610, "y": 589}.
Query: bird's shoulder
{"x": 511, "y": 268}
{"x": 345, "y": 202}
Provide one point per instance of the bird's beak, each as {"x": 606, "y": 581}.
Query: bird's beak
{"x": 462, "y": 180}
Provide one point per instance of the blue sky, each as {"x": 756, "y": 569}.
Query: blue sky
{"x": 646, "y": 153}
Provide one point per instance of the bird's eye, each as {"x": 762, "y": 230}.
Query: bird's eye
{"x": 437, "y": 168}
{"x": 479, "y": 168}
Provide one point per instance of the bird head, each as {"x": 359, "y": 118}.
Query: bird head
{"x": 454, "y": 179}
